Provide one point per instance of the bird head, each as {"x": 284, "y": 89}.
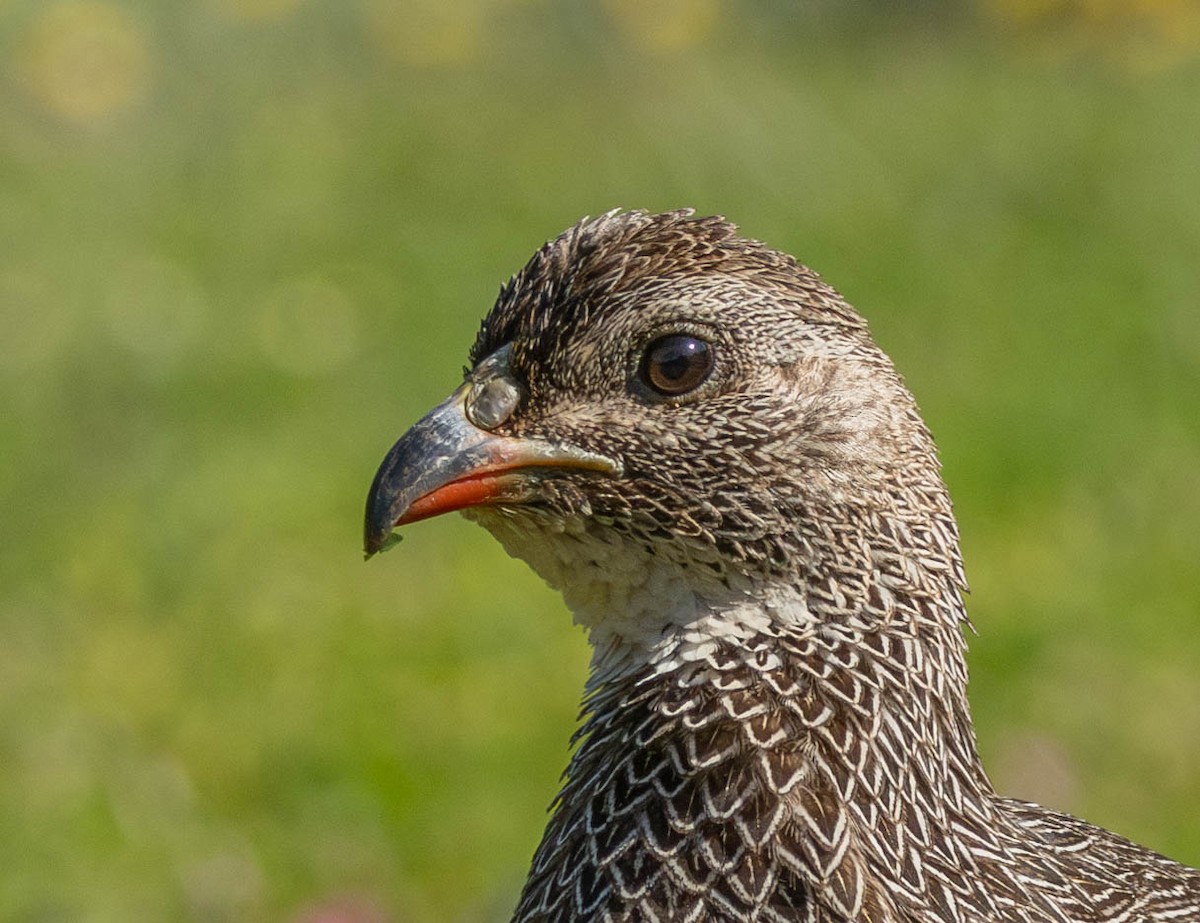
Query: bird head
{"x": 667, "y": 420}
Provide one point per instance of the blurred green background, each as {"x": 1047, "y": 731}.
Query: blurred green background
{"x": 245, "y": 243}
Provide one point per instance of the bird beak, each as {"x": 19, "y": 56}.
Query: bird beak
{"x": 446, "y": 463}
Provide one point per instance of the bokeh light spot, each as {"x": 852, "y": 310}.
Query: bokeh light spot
{"x": 308, "y": 326}
{"x": 33, "y": 318}
{"x": 1141, "y": 36}
{"x": 225, "y": 885}
{"x": 663, "y": 25}
{"x": 292, "y": 157}
{"x": 87, "y": 61}
{"x": 1038, "y": 767}
{"x": 254, "y": 10}
{"x": 154, "y": 308}
{"x": 428, "y": 33}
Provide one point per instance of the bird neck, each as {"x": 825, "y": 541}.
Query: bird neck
{"x": 868, "y": 706}
{"x": 817, "y": 718}
{"x": 806, "y": 768}
{"x": 864, "y": 631}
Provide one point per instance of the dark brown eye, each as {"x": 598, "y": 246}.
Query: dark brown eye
{"x": 676, "y": 364}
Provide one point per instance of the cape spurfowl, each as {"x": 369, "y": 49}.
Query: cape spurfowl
{"x": 695, "y": 439}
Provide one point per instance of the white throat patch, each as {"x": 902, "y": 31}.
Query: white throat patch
{"x": 640, "y": 609}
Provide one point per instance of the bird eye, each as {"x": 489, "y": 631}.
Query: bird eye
{"x": 676, "y": 363}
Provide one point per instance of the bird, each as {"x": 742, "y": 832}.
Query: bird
{"x": 695, "y": 439}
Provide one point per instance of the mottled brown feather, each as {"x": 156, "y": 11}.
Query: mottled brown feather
{"x": 793, "y": 742}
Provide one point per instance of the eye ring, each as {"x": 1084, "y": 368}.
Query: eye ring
{"x": 676, "y": 364}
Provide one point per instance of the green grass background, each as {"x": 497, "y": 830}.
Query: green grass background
{"x": 244, "y": 245}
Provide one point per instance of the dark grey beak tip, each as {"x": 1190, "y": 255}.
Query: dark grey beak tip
{"x": 372, "y": 544}
{"x": 376, "y": 545}
{"x": 378, "y": 521}
{"x": 437, "y": 448}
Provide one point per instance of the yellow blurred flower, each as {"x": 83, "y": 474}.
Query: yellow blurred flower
{"x": 33, "y": 318}
{"x": 663, "y": 25}
{"x": 1141, "y": 34}
{"x": 254, "y": 10}
{"x": 428, "y": 32}
{"x": 86, "y": 61}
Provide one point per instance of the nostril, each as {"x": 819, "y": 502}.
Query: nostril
{"x": 492, "y": 401}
